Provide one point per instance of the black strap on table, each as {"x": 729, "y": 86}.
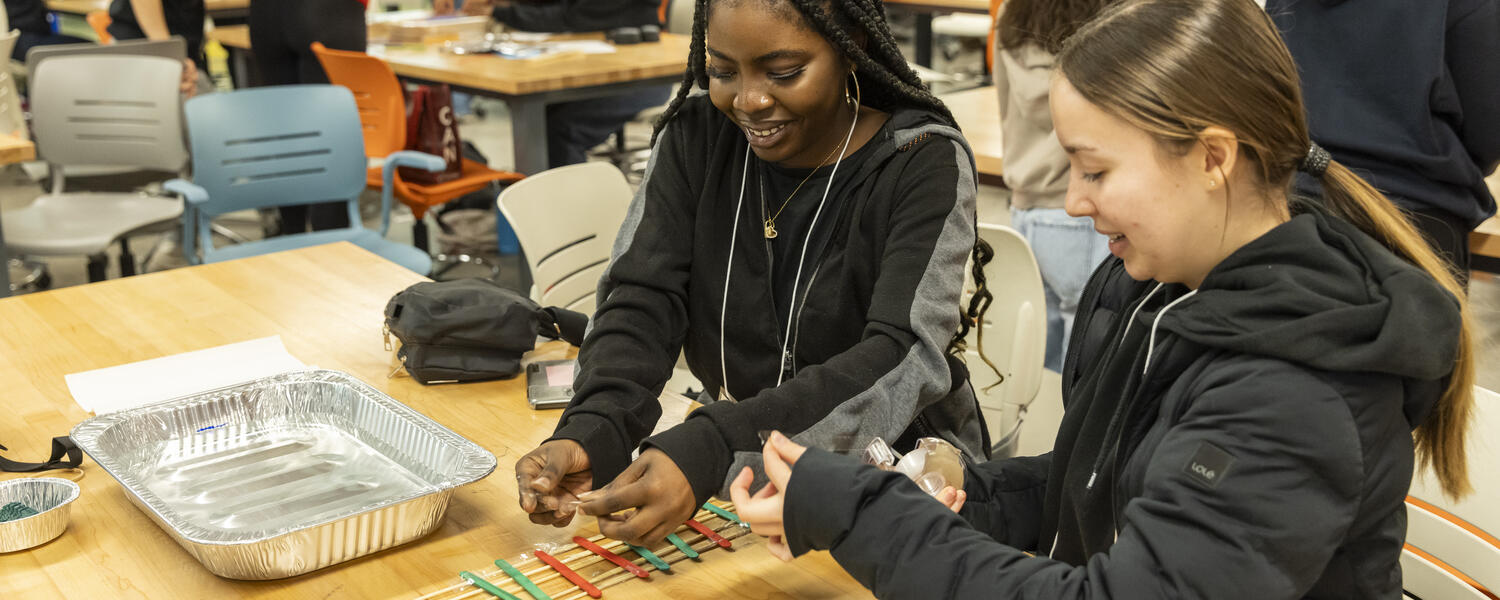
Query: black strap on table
{"x": 61, "y": 445}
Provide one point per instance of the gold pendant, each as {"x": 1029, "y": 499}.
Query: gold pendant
{"x": 770, "y": 230}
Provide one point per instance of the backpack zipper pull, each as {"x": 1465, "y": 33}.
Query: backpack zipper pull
{"x": 385, "y": 330}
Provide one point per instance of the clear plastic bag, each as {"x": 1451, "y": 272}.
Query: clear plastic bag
{"x": 934, "y": 464}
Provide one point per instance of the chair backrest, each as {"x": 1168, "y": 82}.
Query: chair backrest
{"x": 108, "y": 110}
{"x": 1447, "y": 540}
{"x": 99, "y": 21}
{"x": 276, "y": 146}
{"x": 174, "y": 48}
{"x": 1015, "y": 332}
{"x": 12, "y": 120}
{"x": 566, "y": 220}
{"x": 377, "y": 93}
{"x": 679, "y": 17}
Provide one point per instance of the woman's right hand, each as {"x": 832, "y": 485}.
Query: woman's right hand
{"x": 549, "y": 480}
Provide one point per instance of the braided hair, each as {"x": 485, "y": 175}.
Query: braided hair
{"x": 888, "y": 83}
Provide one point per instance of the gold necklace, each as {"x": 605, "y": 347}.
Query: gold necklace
{"x": 771, "y": 222}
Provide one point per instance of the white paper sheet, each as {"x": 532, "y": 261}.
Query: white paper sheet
{"x": 135, "y": 384}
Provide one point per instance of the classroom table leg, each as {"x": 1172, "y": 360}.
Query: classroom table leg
{"x": 922, "y": 44}
{"x": 528, "y": 122}
{"x": 239, "y": 67}
{"x": 4, "y": 267}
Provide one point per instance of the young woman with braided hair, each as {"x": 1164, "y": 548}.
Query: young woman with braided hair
{"x": 1251, "y": 379}
{"x": 801, "y": 235}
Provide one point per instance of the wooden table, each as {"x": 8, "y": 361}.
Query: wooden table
{"x": 978, "y": 114}
{"x": 1485, "y": 239}
{"x": 214, "y": 8}
{"x": 12, "y": 150}
{"x": 527, "y": 86}
{"x": 924, "y": 9}
{"x": 326, "y": 304}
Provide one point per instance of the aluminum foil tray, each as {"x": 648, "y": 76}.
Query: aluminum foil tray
{"x": 287, "y": 474}
{"x": 51, "y": 497}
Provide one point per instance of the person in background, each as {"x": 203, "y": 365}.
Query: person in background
{"x": 159, "y": 20}
{"x": 1408, "y": 95}
{"x": 30, "y": 18}
{"x": 1067, "y": 248}
{"x": 1258, "y": 373}
{"x": 575, "y": 127}
{"x": 282, "y": 33}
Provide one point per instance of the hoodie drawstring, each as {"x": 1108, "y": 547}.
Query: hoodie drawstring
{"x": 1151, "y": 345}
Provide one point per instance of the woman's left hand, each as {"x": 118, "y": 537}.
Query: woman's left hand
{"x": 763, "y": 511}
{"x": 658, "y": 492}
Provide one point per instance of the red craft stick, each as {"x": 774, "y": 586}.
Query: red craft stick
{"x": 610, "y": 556}
{"x": 709, "y": 533}
{"x": 569, "y": 574}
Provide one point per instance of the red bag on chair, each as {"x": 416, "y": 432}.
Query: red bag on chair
{"x": 432, "y": 127}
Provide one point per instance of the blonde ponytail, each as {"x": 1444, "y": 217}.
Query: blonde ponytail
{"x": 1439, "y": 439}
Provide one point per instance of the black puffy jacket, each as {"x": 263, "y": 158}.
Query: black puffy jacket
{"x": 1255, "y": 444}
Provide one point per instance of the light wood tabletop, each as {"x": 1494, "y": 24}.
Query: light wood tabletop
{"x": 969, "y": 6}
{"x": 326, "y": 304}
{"x": 83, "y": 7}
{"x": 14, "y": 150}
{"x": 487, "y": 72}
{"x": 978, "y": 115}
{"x": 1485, "y": 239}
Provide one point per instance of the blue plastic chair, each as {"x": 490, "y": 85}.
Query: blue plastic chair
{"x": 279, "y": 146}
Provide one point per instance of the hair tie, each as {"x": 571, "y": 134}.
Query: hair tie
{"x": 1316, "y": 161}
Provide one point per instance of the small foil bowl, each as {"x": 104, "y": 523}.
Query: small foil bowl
{"x": 50, "y": 497}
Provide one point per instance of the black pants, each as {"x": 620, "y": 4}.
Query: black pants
{"x": 281, "y": 34}
{"x": 29, "y": 40}
{"x": 1447, "y": 234}
{"x": 575, "y": 127}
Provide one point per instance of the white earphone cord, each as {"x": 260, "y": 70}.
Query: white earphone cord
{"x": 729, "y": 264}
{"x": 797, "y": 281}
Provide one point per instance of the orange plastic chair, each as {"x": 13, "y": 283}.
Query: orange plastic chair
{"x": 99, "y": 21}
{"x": 989, "y": 42}
{"x": 382, "y": 111}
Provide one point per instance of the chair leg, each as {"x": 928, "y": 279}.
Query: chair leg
{"x": 228, "y": 234}
{"x": 97, "y": 265}
{"x": 419, "y": 235}
{"x": 127, "y": 260}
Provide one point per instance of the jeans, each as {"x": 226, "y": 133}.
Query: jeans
{"x": 1067, "y": 251}
{"x": 575, "y": 127}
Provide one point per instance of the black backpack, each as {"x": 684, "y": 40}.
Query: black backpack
{"x": 472, "y": 329}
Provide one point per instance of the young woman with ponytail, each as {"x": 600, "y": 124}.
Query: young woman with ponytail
{"x": 801, "y": 236}
{"x": 1251, "y": 379}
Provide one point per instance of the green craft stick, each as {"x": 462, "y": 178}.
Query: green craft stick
{"x": 714, "y": 508}
{"x": 486, "y": 586}
{"x": 520, "y": 578}
{"x": 651, "y": 557}
{"x": 681, "y": 545}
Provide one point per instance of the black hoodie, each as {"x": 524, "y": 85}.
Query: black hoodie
{"x": 1247, "y": 440}
{"x": 1405, "y": 92}
{"x": 876, "y": 304}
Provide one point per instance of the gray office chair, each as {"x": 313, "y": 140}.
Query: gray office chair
{"x": 100, "y": 110}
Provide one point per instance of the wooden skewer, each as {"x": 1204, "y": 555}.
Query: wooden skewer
{"x": 670, "y": 554}
{"x": 609, "y": 579}
{"x": 572, "y": 560}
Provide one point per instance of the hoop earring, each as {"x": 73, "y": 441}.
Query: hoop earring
{"x": 854, "y": 100}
